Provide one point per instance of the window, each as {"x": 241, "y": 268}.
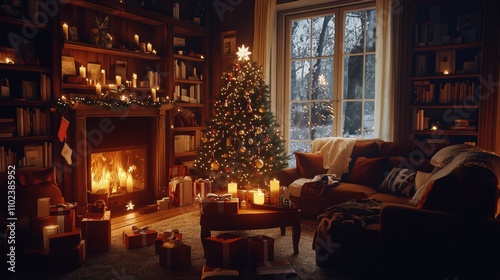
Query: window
{"x": 329, "y": 86}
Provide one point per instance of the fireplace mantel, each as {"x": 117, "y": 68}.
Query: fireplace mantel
{"x": 85, "y": 137}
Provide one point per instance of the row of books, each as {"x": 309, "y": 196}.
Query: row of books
{"x": 34, "y": 156}
{"x": 427, "y": 93}
{"x": 45, "y": 87}
{"x": 191, "y": 95}
{"x": 7, "y": 127}
{"x": 184, "y": 143}
{"x": 32, "y": 122}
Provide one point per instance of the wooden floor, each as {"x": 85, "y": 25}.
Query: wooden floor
{"x": 124, "y": 220}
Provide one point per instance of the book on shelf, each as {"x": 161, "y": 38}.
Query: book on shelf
{"x": 183, "y": 143}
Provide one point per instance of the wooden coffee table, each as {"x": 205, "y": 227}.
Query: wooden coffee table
{"x": 249, "y": 218}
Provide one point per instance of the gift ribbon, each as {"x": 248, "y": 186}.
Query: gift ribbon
{"x": 60, "y": 222}
{"x": 144, "y": 238}
{"x": 214, "y": 197}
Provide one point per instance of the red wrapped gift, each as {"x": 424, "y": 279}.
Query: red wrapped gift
{"x": 218, "y": 273}
{"x": 218, "y": 206}
{"x": 96, "y": 229}
{"x": 66, "y": 223}
{"x": 174, "y": 255}
{"x": 68, "y": 258}
{"x": 178, "y": 171}
{"x": 225, "y": 251}
{"x": 203, "y": 187}
{"x": 64, "y": 240}
{"x": 140, "y": 238}
{"x": 159, "y": 242}
{"x": 181, "y": 191}
{"x": 275, "y": 270}
{"x": 260, "y": 249}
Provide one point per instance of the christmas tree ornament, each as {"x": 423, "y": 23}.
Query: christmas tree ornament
{"x": 224, "y": 155}
{"x": 259, "y": 163}
{"x": 214, "y": 165}
{"x": 229, "y": 141}
{"x": 262, "y": 110}
{"x": 243, "y": 149}
{"x": 241, "y": 132}
{"x": 259, "y": 130}
{"x": 271, "y": 158}
{"x": 250, "y": 141}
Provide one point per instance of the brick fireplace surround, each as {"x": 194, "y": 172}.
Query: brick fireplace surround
{"x": 97, "y": 129}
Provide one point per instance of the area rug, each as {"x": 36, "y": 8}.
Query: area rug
{"x": 142, "y": 263}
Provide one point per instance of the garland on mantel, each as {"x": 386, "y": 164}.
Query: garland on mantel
{"x": 111, "y": 104}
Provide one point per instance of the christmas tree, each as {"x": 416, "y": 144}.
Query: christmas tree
{"x": 242, "y": 143}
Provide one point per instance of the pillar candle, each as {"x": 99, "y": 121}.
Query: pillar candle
{"x": 153, "y": 94}
{"x": 134, "y": 80}
{"x": 103, "y": 76}
{"x": 274, "y": 191}
{"x": 149, "y": 47}
{"x": 83, "y": 72}
{"x": 232, "y": 188}
{"x": 130, "y": 183}
{"x": 258, "y": 197}
{"x": 136, "y": 39}
{"x": 118, "y": 80}
{"x": 65, "y": 31}
{"x": 98, "y": 90}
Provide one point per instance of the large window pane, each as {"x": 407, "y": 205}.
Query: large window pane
{"x": 301, "y": 38}
{"x": 300, "y": 71}
{"x": 369, "y": 120}
{"x": 299, "y": 121}
{"x": 323, "y": 35}
{"x": 322, "y": 79}
{"x": 321, "y": 120}
{"x": 371, "y": 17}
{"x": 352, "y": 118}
{"x": 370, "y": 76}
{"x": 353, "y": 77}
{"x": 354, "y": 32}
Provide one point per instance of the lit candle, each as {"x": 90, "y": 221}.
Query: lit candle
{"x": 118, "y": 80}
{"x": 83, "y": 72}
{"x": 275, "y": 191}
{"x": 232, "y": 189}
{"x": 63, "y": 98}
{"x": 65, "y": 31}
{"x": 134, "y": 80}
{"x": 258, "y": 197}
{"x": 130, "y": 183}
{"x": 154, "y": 52}
{"x": 123, "y": 177}
{"x": 98, "y": 90}
{"x": 136, "y": 39}
{"x": 149, "y": 47}
{"x": 153, "y": 94}
{"x": 103, "y": 76}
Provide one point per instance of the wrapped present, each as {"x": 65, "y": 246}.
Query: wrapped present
{"x": 59, "y": 210}
{"x": 43, "y": 207}
{"x": 175, "y": 255}
{"x": 166, "y": 236}
{"x": 68, "y": 258}
{"x": 211, "y": 273}
{"x": 64, "y": 240}
{"x": 66, "y": 223}
{"x": 48, "y": 231}
{"x": 96, "y": 229}
{"x": 202, "y": 187}
{"x": 225, "y": 251}
{"x": 137, "y": 238}
{"x": 275, "y": 270}
{"x": 178, "y": 171}
{"x": 217, "y": 204}
{"x": 181, "y": 191}
{"x": 260, "y": 249}
{"x": 163, "y": 204}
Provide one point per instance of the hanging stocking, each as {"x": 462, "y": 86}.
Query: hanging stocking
{"x": 63, "y": 128}
{"x": 66, "y": 153}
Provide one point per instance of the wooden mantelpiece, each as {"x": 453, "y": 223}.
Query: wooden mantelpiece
{"x": 105, "y": 128}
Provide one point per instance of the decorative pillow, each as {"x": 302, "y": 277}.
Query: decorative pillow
{"x": 37, "y": 177}
{"x": 400, "y": 181}
{"x": 309, "y": 164}
{"x": 446, "y": 154}
{"x": 368, "y": 171}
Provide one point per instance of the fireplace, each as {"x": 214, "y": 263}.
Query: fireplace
{"x": 120, "y": 153}
{"x": 118, "y": 171}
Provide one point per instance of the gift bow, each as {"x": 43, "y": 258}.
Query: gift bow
{"x": 136, "y": 229}
{"x": 215, "y": 197}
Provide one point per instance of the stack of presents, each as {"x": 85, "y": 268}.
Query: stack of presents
{"x": 65, "y": 241}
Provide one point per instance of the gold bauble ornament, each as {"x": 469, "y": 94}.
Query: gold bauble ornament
{"x": 250, "y": 141}
{"x": 241, "y": 132}
{"x": 214, "y": 165}
{"x": 243, "y": 149}
{"x": 262, "y": 110}
{"x": 259, "y": 163}
{"x": 228, "y": 113}
{"x": 271, "y": 158}
{"x": 259, "y": 130}
{"x": 224, "y": 155}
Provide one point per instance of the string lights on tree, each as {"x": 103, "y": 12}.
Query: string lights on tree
{"x": 242, "y": 143}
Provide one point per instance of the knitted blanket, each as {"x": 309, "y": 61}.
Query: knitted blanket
{"x": 336, "y": 153}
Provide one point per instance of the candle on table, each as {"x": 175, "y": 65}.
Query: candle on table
{"x": 153, "y": 94}
{"x": 134, "y": 80}
{"x": 275, "y": 191}
{"x": 258, "y": 197}
{"x": 65, "y": 31}
{"x": 98, "y": 90}
{"x": 136, "y": 39}
{"x": 149, "y": 47}
{"x": 118, "y": 80}
{"x": 83, "y": 72}
{"x": 154, "y": 52}
{"x": 103, "y": 76}
{"x": 232, "y": 188}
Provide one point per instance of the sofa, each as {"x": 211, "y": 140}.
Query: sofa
{"x": 426, "y": 226}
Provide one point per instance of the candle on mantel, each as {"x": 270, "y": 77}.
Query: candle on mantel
{"x": 83, "y": 72}
{"x": 98, "y": 90}
{"x": 232, "y": 189}
{"x": 118, "y": 80}
{"x": 103, "y": 76}
{"x": 134, "y": 80}
{"x": 136, "y": 39}
{"x": 153, "y": 94}
{"x": 65, "y": 31}
{"x": 258, "y": 197}
{"x": 149, "y": 47}
{"x": 63, "y": 98}
{"x": 130, "y": 183}
{"x": 274, "y": 196}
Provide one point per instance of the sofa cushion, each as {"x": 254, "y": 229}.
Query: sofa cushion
{"x": 369, "y": 171}
{"x": 309, "y": 164}
{"x": 400, "y": 181}
{"x": 412, "y": 164}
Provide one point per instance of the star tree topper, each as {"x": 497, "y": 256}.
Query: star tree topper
{"x": 243, "y": 53}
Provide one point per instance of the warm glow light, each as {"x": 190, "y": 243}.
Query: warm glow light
{"x": 275, "y": 191}
{"x": 446, "y": 72}
{"x": 232, "y": 188}
{"x": 258, "y": 197}
{"x": 130, "y": 206}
